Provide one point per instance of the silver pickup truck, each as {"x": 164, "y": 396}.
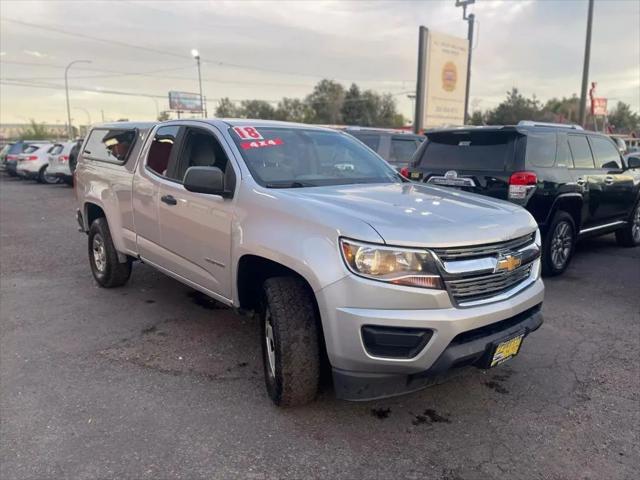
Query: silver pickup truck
{"x": 393, "y": 282}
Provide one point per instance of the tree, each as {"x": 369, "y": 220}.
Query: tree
{"x": 326, "y": 102}
{"x": 293, "y": 110}
{"x": 370, "y": 109}
{"x": 623, "y": 120}
{"x": 37, "y": 131}
{"x": 353, "y": 111}
{"x": 163, "y": 116}
{"x": 257, "y": 109}
{"x": 515, "y": 108}
{"x": 477, "y": 118}
{"x": 226, "y": 109}
{"x": 386, "y": 115}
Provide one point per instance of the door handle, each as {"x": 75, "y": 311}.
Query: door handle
{"x": 169, "y": 199}
{"x": 581, "y": 181}
{"x": 608, "y": 179}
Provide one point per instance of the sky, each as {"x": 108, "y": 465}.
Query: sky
{"x": 267, "y": 50}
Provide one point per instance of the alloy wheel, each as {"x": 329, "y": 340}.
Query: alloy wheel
{"x": 99, "y": 253}
{"x": 270, "y": 344}
{"x": 561, "y": 244}
{"x": 635, "y": 227}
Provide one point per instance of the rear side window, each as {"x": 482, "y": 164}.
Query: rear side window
{"x": 541, "y": 149}
{"x": 606, "y": 153}
{"x": 370, "y": 140}
{"x": 31, "y": 149}
{"x": 109, "y": 145}
{"x": 402, "y": 149}
{"x": 580, "y": 151}
{"x": 161, "y": 149}
{"x": 56, "y": 149}
{"x": 468, "y": 150}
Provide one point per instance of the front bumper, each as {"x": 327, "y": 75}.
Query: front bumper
{"x": 406, "y": 307}
{"x": 467, "y": 349}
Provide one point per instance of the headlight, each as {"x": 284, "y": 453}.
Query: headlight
{"x": 415, "y": 268}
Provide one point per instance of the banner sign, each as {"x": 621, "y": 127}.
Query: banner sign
{"x": 446, "y": 80}
{"x": 185, "y": 102}
{"x": 598, "y": 104}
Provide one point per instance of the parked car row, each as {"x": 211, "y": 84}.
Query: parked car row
{"x": 41, "y": 160}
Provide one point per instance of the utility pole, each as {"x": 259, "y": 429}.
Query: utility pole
{"x": 470, "y": 21}
{"x": 203, "y": 108}
{"x": 585, "y": 69}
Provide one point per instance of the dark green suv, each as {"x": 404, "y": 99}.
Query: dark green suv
{"x": 574, "y": 182}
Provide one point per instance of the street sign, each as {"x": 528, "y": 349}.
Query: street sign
{"x": 185, "y": 102}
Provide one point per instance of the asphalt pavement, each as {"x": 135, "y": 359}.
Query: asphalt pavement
{"x": 155, "y": 381}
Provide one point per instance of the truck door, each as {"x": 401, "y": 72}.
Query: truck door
{"x": 195, "y": 228}
{"x": 150, "y": 173}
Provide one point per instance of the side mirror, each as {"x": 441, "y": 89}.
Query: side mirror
{"x": 612, "y": 165}
{"x": 633, "y": 162}
{"x": 209, "y": 180}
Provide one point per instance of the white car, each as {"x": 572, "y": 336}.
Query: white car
{"x": 34, "y": 161}
{"x": 59, "y": 162}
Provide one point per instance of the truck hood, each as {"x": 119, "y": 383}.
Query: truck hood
{"x": 418, "y": 215}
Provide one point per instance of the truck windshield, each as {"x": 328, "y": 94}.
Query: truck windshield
{"x": 468, "y": 150}
{"x": 281, "y": 157}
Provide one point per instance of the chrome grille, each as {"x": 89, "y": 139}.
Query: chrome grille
{"x": 486, "y": 286}
{"x": 471, "y": 275}
{"x": 474, "y": 251}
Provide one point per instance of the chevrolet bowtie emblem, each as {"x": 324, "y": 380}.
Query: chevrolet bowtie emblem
{"x": 508, "y": 263}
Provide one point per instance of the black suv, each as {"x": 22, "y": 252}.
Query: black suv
{"x": 574, "y": 182}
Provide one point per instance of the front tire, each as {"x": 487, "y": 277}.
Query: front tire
{"x": 558, "y": 245}
{"x": 103, "y": 257}
{"x": 629, "y": 236}
{"x": 290, "y": 342}
{"x": 44, "y": 177}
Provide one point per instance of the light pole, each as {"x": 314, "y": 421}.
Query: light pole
{"x": 196, "y": 55}
{"x": 66, "y": 87}
{"x": 470, "y": 20}
{"x": 585, "y": 68}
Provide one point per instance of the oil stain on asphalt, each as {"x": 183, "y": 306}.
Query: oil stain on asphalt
{"x": 430, "y": 416}
{"x": 381, "y": 413}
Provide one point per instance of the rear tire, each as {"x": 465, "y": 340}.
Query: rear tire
{"x": 103, "y": 257}
{"x": 558, "y": 245}
{"x": 290, "y": 342}
{"x": 629, "y": 236}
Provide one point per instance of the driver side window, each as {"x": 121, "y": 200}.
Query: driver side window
{"x": 200, "y": 149}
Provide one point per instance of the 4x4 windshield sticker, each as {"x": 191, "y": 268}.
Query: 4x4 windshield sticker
{"x": 261, "y": 143}
{"x": 247, "y": 133}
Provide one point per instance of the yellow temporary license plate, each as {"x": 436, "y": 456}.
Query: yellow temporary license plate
{"x": 507, "y": 349}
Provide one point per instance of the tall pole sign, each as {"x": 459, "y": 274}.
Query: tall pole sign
{"x": 418, "y": 121}
{"x": 441, "y": 84}
{"x": 471, "y": 18}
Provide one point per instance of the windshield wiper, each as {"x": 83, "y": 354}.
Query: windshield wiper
{"x": 294, "y": 184}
